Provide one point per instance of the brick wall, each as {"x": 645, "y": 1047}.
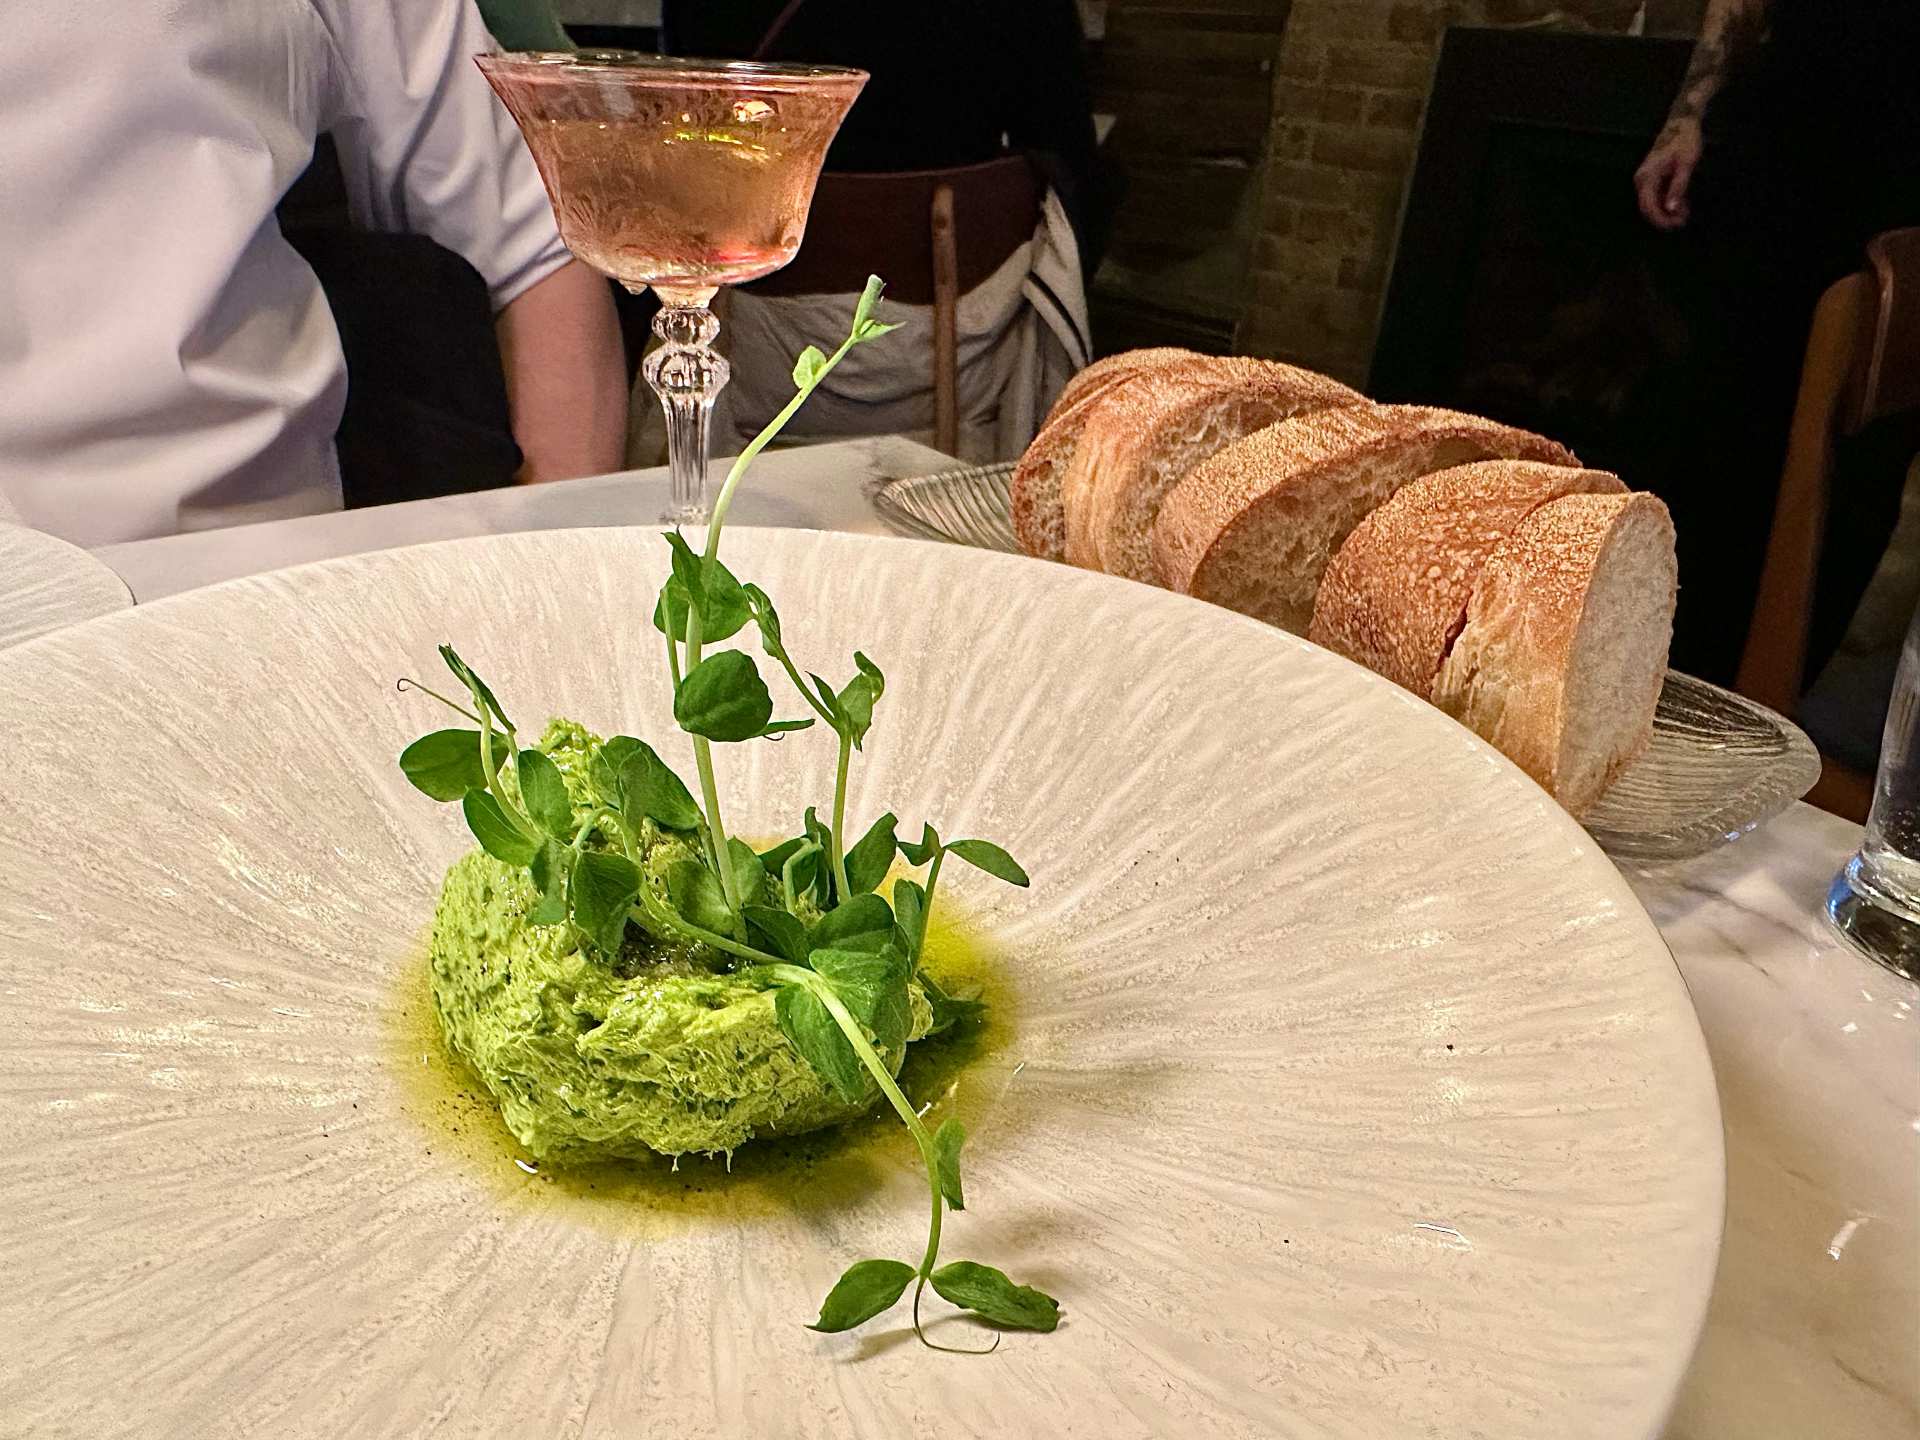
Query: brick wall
{"x": 1349, "y": 88}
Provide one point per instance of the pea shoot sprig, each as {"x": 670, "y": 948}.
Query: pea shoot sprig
{"x": 837, "y": 956}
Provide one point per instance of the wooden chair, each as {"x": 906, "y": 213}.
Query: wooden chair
{"x": 1862, "y": 365}
{"x": 934, "y": 234}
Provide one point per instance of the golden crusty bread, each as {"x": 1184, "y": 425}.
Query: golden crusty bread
{"x": 1560, "y": 663}
{"x": 1119, "y": 409}
{"x": 1140, "y": 443}
{"x": 1254, "y": 527}
{"x": 1039, "y": 522}
{"x": 1396, "y": 594}
{"x": 1101, "y": 373}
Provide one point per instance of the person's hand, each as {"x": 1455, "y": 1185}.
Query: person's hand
{"x": 1664, "y": 176}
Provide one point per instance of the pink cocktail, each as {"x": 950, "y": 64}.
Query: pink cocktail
{"x": 683, "y": 175}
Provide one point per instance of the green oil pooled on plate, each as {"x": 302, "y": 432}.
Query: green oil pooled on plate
{"x": 454, "y": 1116}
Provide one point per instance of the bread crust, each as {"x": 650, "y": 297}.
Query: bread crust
{"x": 1511, "y": 673}
{"x": 1039, "y": 522}
{"x": 1396, "y": 594}
{"x": 1301, "y": 476}
{"x": 1123, "y": 486}
{"x": 1121, "y": 409}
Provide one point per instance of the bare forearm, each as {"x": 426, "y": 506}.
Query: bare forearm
{"x": 566, "y": 376}
{"x": 1731, "y": 31}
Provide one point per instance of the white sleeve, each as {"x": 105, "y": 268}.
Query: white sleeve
{"x": 425, "y": 147}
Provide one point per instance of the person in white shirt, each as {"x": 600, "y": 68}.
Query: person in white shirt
{"x": 167, "y": 361}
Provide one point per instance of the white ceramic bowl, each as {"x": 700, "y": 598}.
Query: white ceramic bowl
{"x": 1343, "y": 1087}
{"x": 45, "y": 583}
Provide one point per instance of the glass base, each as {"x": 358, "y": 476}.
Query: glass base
{"x": 686, "y": 517}
{"x": 1874, "y": 924}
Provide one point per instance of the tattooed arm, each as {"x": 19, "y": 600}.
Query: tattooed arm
{"x": 1732, "y": 30}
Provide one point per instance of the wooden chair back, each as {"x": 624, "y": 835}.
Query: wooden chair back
{"x": 1862, "y": 364}
{"x": 934, "y": 235}
{"x": 1890, "y": 378}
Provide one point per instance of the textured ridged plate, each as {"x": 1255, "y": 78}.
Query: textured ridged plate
{"x": 1343, "y": 1088}
{"x": 966, "y": 507}
{"x": 45, "y": 583}
{"x": 1718, "y": 765}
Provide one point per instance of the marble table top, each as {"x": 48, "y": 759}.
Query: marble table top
{"x": 1814, "y": 1329}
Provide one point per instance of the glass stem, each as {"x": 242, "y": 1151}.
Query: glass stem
{"x": 687, "y": 373}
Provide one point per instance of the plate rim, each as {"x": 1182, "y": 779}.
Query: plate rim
{"x": 83, "y": 567}
{"x": 1640, "y": 847}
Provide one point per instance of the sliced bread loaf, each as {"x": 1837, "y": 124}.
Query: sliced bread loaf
{"x": 1396, "y": 593}
{"x": 1039, "y": 522}
{"x": 1120, "y": 408}
{"x": 1141, "y": 443}
{"x": 1254, "y": 527}
{"x": 1560, "y": 662}
{"x": 1110, "y": 370}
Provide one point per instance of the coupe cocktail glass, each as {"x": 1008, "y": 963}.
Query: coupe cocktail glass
{"x": 685, "y": 175}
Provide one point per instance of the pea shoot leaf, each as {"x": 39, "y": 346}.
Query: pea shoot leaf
{"x": 923, "y": 851}
{"x": 550, "y": 866}
{"x": 778, "y": 931}
{"x": 989, "y": 1293}
{"x": 808, "y": 368}
{"x": 870, "y": 295}
{"x": 868, "y": 1288}
{"x": 872, "y": 984}
{"x": 948, "y": 1011}
{"x": 481, "y": 692}
{"x": 603, "y": 771}
{"x": 697, "y": 896}
{"x": 604, "y": 889}
{"x": 767, "y": 619}
{"x": 909, "y": 906}
{"x": 545, "y": 794}
{"x": 775, "y": 860}
{"x": 814, "y": 828}
{"x": 722, "y": 603}
{"x": 498, "y": 835}
{"x": 857, "y": 700}
{"x": 863, "y": 923}
{"x": 869, "y": 860}
{"x": 446, "y": 764}
{"x": 748, "y": 878}
{"x": 723, "y": 698}
{"x": 813, "y": 1032}
{"x": 648, "y": 787}
{"x": 947, "y": 1141}
{"x": 816, "y": 831}
{"x": 987, "y": 856}
{"x": 781, "y": 727}
{"x": 829, "y": 700}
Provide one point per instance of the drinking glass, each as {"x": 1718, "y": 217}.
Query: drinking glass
{"x": 683, "y": 175}
{"x": 1875, "y": 900}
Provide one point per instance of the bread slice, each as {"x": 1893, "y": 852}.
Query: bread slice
{"x": 1089, "y": 381}
{"x": 1039, "y": 522}
{"x": 1396, "y": 594}
{"x": 1140, "y": 443}
{"x": 1254, "y": 527}
{"x": 1561, "y": 660}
